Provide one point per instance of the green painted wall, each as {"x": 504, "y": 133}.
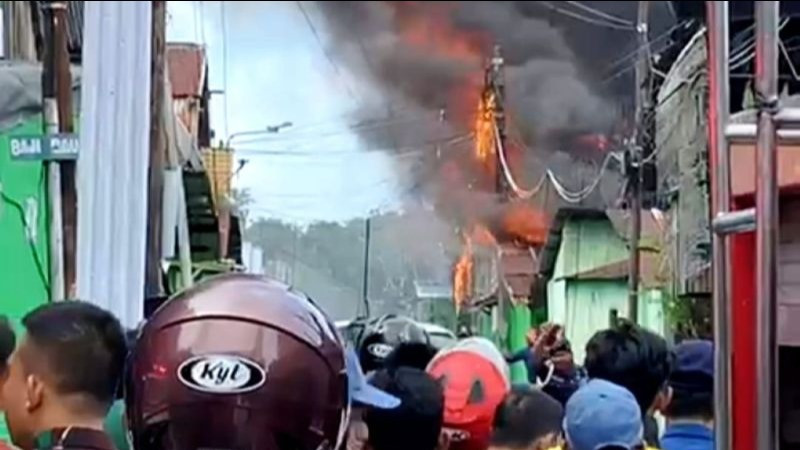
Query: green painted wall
{"x": 23, "y": 282}
{"x": 586, "y": 244}
{"x": 583, "y": 306}
{"x": 22, "y": 184}
{"x": 519, "y": 322}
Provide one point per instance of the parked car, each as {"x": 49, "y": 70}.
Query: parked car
{"x": 440, "y": 337}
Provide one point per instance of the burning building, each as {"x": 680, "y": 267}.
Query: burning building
{"x": 541, "y": 116}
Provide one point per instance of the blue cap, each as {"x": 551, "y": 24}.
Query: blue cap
{"x": 695, "y": 357}
{"x": 361, "y": 392}
{"x": 694, "y": 369}
{"x": 602, "y": 414}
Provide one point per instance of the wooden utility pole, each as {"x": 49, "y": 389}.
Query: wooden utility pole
{"x": 497, "y": 86}
{"x": 153, "y": 281}
{"x": 69, "y": 194}
{"x": 640, "y": 141}
{"x": 57, "y": 109}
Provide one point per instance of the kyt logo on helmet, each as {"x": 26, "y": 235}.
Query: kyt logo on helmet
{"x": 221, "y": 374}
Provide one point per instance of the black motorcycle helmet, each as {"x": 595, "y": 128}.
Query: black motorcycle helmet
{"x": 381, "y": 335}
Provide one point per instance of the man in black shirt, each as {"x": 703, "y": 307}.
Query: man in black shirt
{"x": 638, "y": 360}
{"x": 63, "y": 376}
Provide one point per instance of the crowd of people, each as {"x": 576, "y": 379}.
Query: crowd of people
{"x": 239, "y": 362}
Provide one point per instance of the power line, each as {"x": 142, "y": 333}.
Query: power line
{"x": 392, "y": 152}
{"x": 321, "y": 45}
{"x": 202, "y": 24}
{"x": 635, "y": 52}
{"x": 602, "y": 14}
{"x": 224, "y": 64}
{"x": 586, "y": 19}
{"x": 563, "y": 192}
{"x": 196, "y": 22}
{"x": 362, "y": 127}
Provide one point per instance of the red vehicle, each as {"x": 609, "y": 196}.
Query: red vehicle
{"x": 755, "y": 171}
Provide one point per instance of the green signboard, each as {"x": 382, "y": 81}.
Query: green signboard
{"x": 44, "y": 148}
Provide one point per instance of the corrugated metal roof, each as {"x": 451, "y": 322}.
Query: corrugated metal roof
{"x": 75, "y": 25}
{"x": 186, "y": 66}
{"x": 520, "y": 268}
{"x": 113, "y": 163}
{"x": 618, "y": 270}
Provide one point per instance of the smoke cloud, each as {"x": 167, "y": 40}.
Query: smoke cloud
{"x": 426, "y": 60}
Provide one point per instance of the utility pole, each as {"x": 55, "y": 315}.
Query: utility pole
{"x": 153, "y": 286}
{"x": 69, "y": 193}
{"x": 641, "y": 140}
{"x": 497, "y": 87}
{"x": 57, "y": 107}
{"x": 365, "y": 281}
{"x": 6, "y": 6}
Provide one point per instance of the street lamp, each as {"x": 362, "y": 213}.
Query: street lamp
{"x": 271, "y": 129}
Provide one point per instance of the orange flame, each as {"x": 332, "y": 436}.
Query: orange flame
{"x": 484, "y": 128}
{"x": 482, "y": 236}
{"x": 462, "y": 275}
{"x": 525, "y": 223}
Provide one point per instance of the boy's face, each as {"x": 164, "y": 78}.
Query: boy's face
{"x": 3, "y": 378}
{"x": 23, "y": 395}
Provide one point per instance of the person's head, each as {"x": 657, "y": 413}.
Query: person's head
{"x": 475, "y": 378}
{"x": 528, "y": 419}
{"x": 381, "y": 336}
{"x": 238, "y": 361}
{"x": 692, "y": 383}
{"x": 65, "y": 370}
{"x": 8, "y": 341}
{"x": 410, "y": 354}
{"x": 415, "y": 424}
{"x": 603, "y": 415}
{"x": 632, "y": 357}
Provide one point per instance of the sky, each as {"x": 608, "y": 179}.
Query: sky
{"x": 278, "y": 72}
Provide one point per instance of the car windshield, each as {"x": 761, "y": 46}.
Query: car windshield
{"x": 442, "y": 340}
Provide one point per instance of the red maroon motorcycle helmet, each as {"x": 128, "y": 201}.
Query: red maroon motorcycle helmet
{"x": 237, "y": 362}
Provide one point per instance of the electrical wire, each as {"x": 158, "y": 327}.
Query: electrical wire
{"x": 602, "y": 14}
{"x": 36, "y": 260}
{"x": 565, "y": 194}
{"x": 751, "y": 49}
{"x": 196, "y": 22}
{"x": 589, "y": 20}
{"x": 224, "y": 20}
{"x": 202, "y": 24}
{"x": 361, "y": 127}
{"x": 397, "y": 151}
{"x": 407, "y": 149}
{"x": 789, "y": 61}
{"x": 635, "y": 52}
{"x": 321, "y": 45}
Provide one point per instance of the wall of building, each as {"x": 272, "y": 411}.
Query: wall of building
{"x": 587, "y": 244}
{"x": 583, "y": 306}
{"x": 23, "y": 233}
